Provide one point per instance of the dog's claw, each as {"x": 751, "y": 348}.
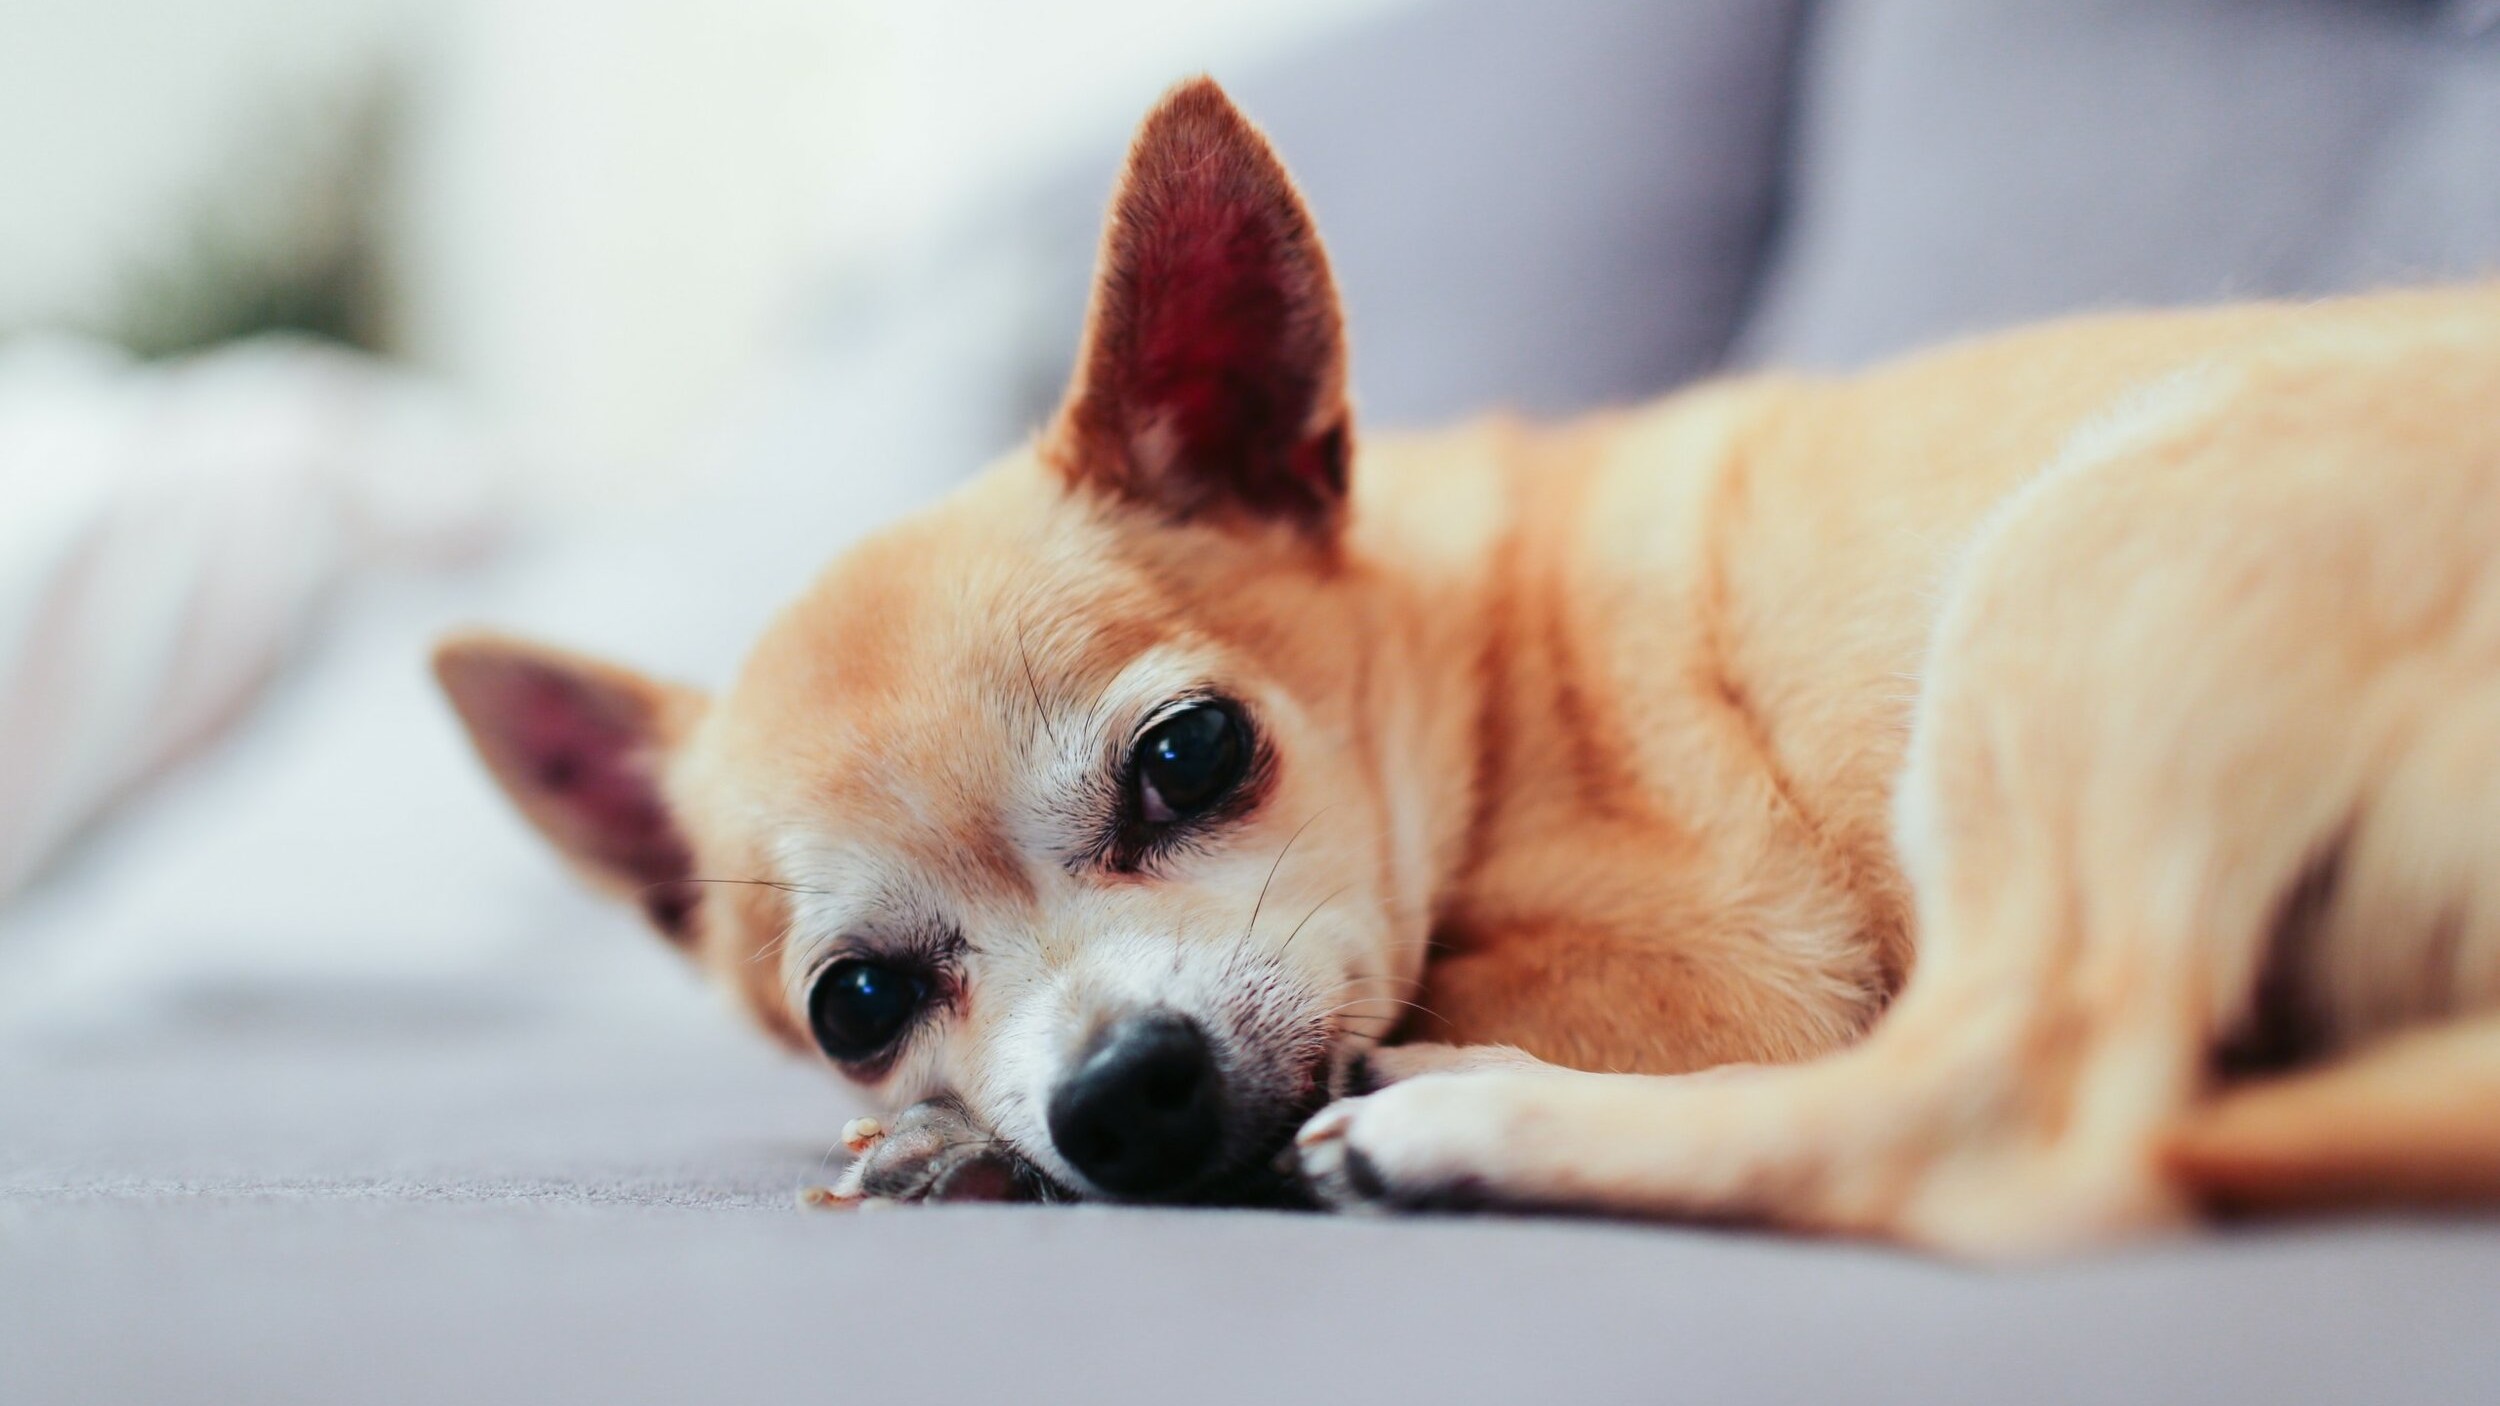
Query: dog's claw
{"x": 1328, "y": 1125}
{"x": 1331, "y": 1170}
{"x": 1339, "y": 1177}
{"x": 1437, "y": 1142}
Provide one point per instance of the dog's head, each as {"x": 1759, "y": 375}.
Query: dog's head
{"x": 1075, "y": 797}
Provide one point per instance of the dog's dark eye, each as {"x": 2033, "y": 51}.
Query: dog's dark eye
{"x": 1189, "y": 761}
{"x": 858, "y": 1007}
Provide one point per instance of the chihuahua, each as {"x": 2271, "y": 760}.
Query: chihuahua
{"x": 2038, "y": 792}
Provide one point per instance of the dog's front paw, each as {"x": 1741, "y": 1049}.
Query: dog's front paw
{"x": 934, "y": 1152}
{"x": 1441, "y": 1141}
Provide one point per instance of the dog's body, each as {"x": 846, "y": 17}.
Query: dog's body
{"x": 2113, "y": 709}
{"x": 2138, "y": 675}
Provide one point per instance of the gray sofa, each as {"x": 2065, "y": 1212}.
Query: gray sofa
{"x": 318, "y": 1083}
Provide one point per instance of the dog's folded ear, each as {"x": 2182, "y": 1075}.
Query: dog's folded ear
{"x": 1211, "y": 382}
{"x": 580, "y": 746}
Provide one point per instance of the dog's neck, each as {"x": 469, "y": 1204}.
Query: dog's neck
{"x": 1529, "y": 595}
{"x": 1438, "y": 544}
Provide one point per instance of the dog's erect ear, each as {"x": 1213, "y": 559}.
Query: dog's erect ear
{"x": 579, "y": 746}
{"x": 1212, "y": 377}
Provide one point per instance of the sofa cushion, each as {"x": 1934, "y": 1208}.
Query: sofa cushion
{"x": 1499, "y": 246}
{"x": 1496, "y": 246}
{"x": 1966, "y": 164}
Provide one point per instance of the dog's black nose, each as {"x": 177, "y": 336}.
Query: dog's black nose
{"x": 1143, "y": 1112}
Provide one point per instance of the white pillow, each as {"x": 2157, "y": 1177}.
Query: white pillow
{"x": 344, "y": 839}
{"x": 166, "y": 532}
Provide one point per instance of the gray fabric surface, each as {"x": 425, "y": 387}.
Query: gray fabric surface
{"x": 319, "y": 1083}
{"x": 500, "y": 1192}
{"x": 273, "y": 1303}
{"x": 1964, "y": 165}
{"x": 536, "y": 1086}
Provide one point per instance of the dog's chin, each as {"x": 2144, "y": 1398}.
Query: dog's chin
{"x": 1350, "y": 1070}
{"x": 1263, "y": 1172}
{"x": 1265, "y": 1175}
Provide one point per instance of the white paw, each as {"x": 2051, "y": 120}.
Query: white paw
{"x": 1445, "y": 1140}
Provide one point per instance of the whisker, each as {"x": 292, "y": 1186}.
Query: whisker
{"x": 824, "y": 1165}
{"x": 1253, "y": 925}
{"x": 754, "y": 883}
{"x": 1390, "y": 1000}
{"x": 1389, "y": 1023}
{"x": 779, "y": 944}
{"x": 1306, "y": 920}
{"x": 769, "y": 948}
{"x": 1033, "y": 682}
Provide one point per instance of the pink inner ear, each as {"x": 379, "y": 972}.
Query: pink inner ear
{"x": 585, "y": 755}
{"x": 1214, "y": 354}
{"x": 1215, "y": 360}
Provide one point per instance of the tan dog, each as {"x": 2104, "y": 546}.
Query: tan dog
{"x": 2065, "y": 767}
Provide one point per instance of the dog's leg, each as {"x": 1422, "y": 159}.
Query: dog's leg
{"x": 2414, "y": 1121}
{"x": 1369, "y": 1071}
{"x": 2014, "y": 1098}
{"x": 2412, "y": 1116}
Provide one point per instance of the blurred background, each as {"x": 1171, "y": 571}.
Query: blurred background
{"x": 326, "y": 325}
{"x": 293, "y": 292}
{"x": 295, "y": 289}
{"x": 593, "y": 219}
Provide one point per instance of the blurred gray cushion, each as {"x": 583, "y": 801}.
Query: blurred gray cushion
{"x": 1967, "y": 164}
{"x": 1544, "y": 207}
{"x": 1536, "y": 205}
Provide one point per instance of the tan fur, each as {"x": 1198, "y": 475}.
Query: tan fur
{"x": 2154, "y": 613}
{"x": 2006, "y": 694}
